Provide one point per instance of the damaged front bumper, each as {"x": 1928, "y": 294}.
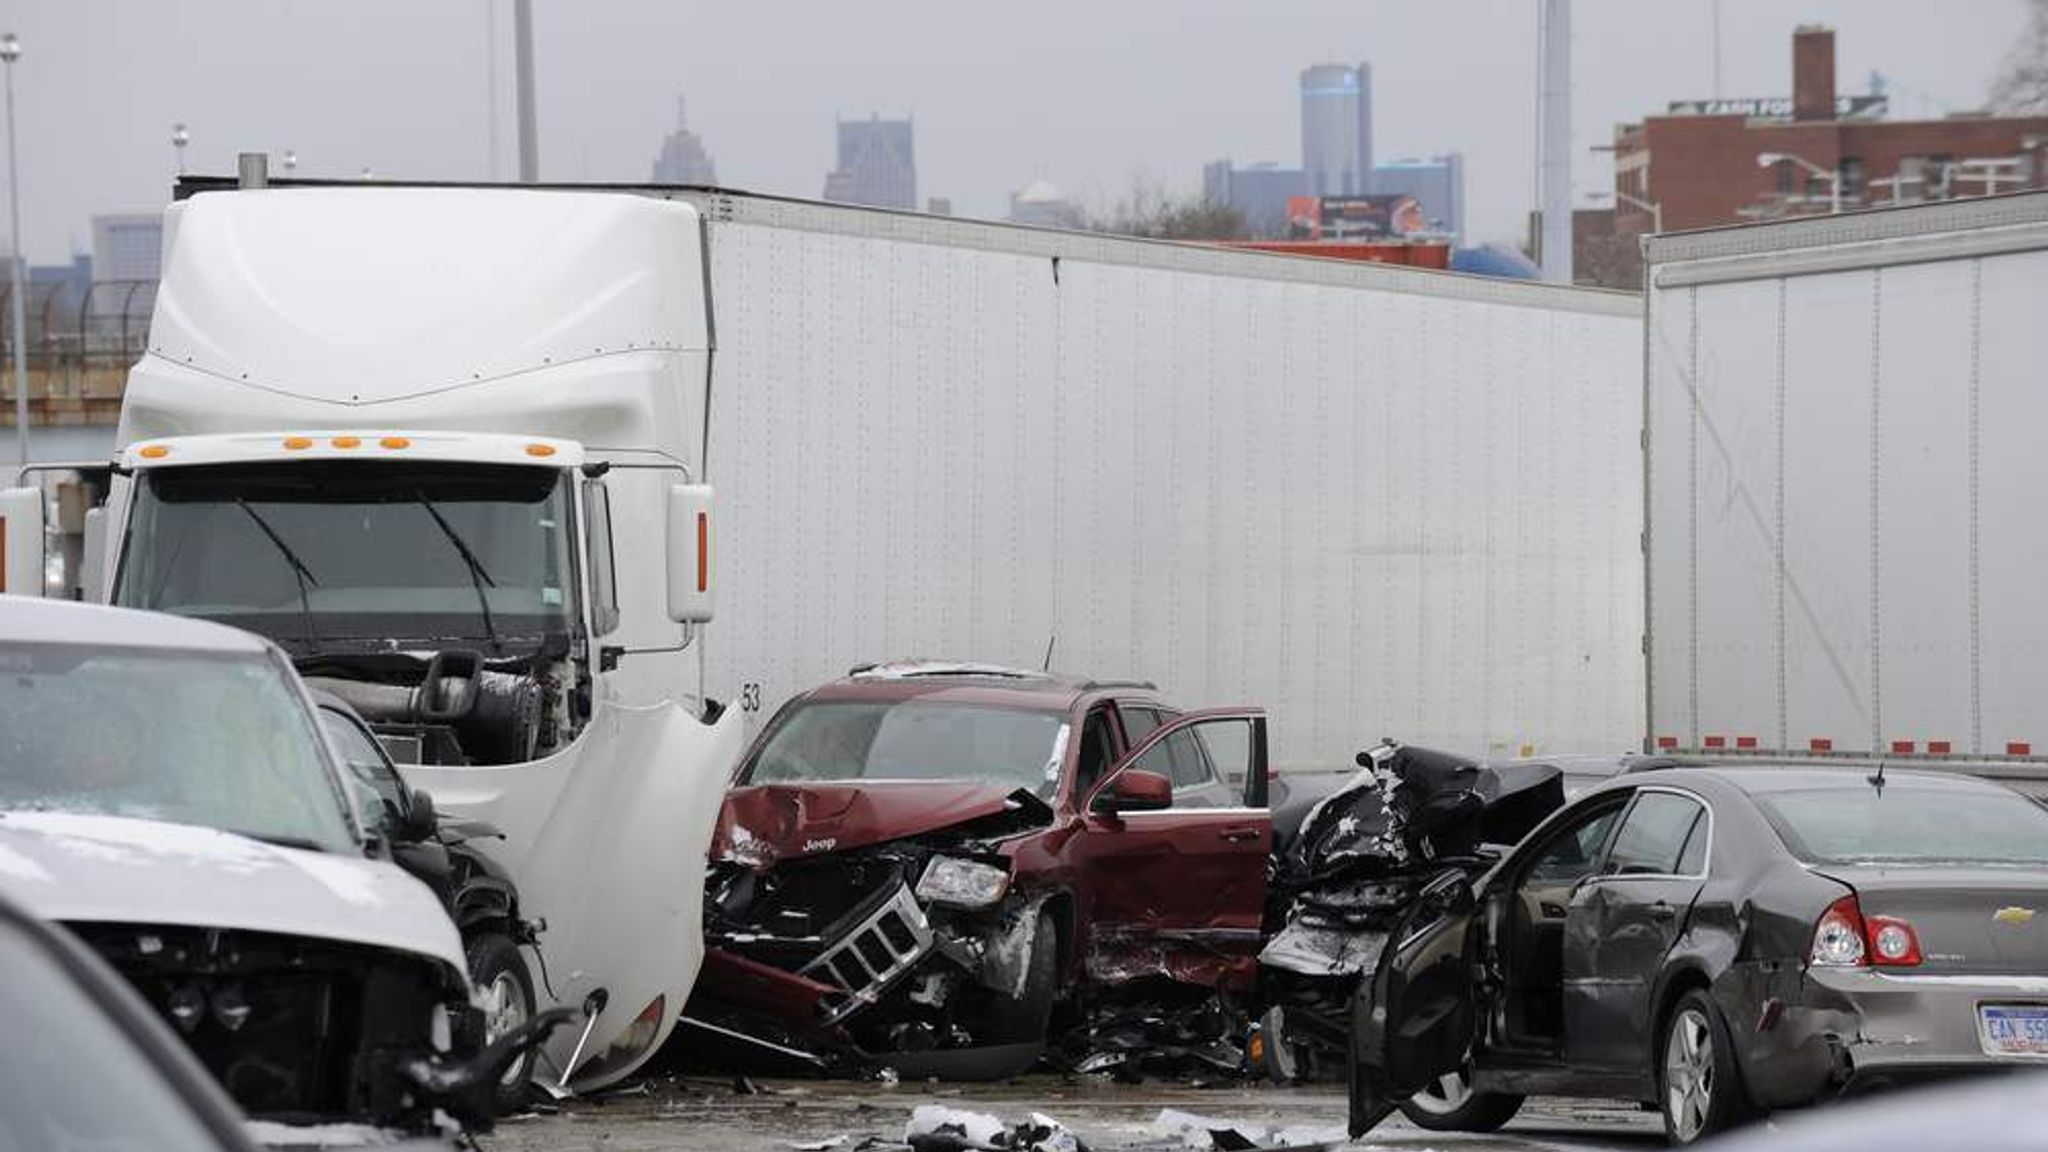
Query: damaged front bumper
{"x": 837, "y": 963}
{"x": 302, "y": 1031}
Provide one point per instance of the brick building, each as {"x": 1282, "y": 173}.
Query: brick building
{"x": 1700, "y": 163}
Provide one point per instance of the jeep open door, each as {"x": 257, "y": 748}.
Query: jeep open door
{"x": 1417, "y": 1018}
{"x": 1183, "y": 851}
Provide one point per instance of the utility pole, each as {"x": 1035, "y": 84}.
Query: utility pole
{"x": 1556, "y": 99}
{"x": 491, "y": 79}
{"x": 10, "y": 51}
{"x": 522, "y": 36}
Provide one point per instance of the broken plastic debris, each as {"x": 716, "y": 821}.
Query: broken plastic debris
{"x": 825, "y": 1145}
{"x": 928, "y": 1119}
{"x": 936, "y": 1128}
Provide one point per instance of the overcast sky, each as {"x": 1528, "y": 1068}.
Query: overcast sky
{"x": 1090, "y": 94}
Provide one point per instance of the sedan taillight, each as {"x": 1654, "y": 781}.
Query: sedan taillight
{"x": 1845, "y": 938}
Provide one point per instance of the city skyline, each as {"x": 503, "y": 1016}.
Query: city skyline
{"x": 607, "y": 82}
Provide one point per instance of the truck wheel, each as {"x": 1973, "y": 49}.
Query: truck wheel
{"x": 1700, "y": 1091}
{"x": 1450, "y": 1105}
{"x": 1023, "y": 1019}
{"x": 499, "y": 973}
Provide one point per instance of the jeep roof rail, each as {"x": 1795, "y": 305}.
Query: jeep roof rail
{"x": 1095, "y": 685}
{"x": 906, "y": 669}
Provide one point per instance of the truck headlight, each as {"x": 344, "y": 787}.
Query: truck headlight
{"x": 962, "y": 883}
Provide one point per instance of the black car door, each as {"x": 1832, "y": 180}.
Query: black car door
{"x": 1417, "y": 1019}
{"x": 1623, "y": 921}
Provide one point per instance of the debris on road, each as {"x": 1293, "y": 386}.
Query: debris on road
{"x": 936, "y": 1128}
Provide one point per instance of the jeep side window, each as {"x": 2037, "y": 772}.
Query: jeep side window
{"x": 1096, "y": 754}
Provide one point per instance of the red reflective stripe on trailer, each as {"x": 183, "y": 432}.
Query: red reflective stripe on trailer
{"x": 1820, "y": 744}
{"x": 1937, "y": 747}
{"x": 1716, "y": 742}
{"x": 1667, "y": 742}
{"x": 1745, "y": 741}
{"x": 2019, "y": 748}
{"x": 1902, "y": 747}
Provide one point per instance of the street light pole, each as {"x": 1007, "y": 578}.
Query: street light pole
{"x": 10, "y": 51}
{"x": 180, "y": 138}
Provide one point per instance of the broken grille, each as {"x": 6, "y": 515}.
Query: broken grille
{"x": 872, "y": 956}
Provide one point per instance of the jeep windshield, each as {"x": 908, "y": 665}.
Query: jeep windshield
{"x": 316, "y": 554}
{"x": 846, "y": 740}
{"x": 215, "y": 739}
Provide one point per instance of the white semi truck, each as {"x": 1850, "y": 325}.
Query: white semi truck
{"x": 451, "y": 447}
{"x": 1845, "y": 488}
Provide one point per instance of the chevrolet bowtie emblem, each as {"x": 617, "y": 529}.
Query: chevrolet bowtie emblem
{"x": 2013, "y": 915}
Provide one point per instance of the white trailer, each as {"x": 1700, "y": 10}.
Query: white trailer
{"x": 1844, "y": 489}
{"x": 1375, "y": 499}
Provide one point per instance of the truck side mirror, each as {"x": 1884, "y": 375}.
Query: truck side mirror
{"x": 420, "y": 822}
{"x": 690, "y": 599}
{"x": 21, "y": 541}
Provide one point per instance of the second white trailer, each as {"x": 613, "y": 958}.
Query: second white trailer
{"x": 1845, "y": 487}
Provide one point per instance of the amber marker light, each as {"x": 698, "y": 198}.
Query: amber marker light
{"x": 394, "y": 442}
{"x": 155, "y": 452}
{"x": 540, "y": 449}
{"x": 295, "y": 443}
{"x": 347, "y": 442}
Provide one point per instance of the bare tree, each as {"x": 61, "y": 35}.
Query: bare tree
{"x": 2021, "y": 88}
{"x": 1156, "y": 214}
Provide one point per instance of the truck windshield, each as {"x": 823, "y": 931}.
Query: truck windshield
{"x": 317, "y": 553}
{"x": 219, "y": 740}
{"x": 911, "y": 740}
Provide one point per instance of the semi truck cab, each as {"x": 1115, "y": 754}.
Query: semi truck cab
{"x": 445, "y": 447}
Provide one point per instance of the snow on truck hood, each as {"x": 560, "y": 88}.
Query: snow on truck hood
{"x": 112, "y": 869}
{"x": 763, "y": 823}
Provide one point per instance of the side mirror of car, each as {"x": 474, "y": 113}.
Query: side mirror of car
{"x": 1135, "y": 790}
{"x": 420, "y": 822}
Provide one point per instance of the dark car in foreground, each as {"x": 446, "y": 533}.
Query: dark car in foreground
{"x": 446, "y": 855}
{"x": 1719, "y": 940}
{"x": 89, "y": 1065}
{"x": 917, "y": 862}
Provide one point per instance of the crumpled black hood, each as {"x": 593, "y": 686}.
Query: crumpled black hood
{"x": 1419, "y": 804}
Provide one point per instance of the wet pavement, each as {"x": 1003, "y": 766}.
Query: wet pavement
{"x": 685, "y": 1115}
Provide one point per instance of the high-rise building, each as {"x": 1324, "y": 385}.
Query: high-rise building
{"x": 877, "y": 166}
{"x": 1259, "y": 193}
{"x": 1336, "y": 129}
{"x": 683, "y": 159}
{"x": 1437, "y": 183}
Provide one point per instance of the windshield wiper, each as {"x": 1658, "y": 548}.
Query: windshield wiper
{"x": 305, "y": 843}
{"x": 477, "y": 576}
{"x": 300, "y": 572}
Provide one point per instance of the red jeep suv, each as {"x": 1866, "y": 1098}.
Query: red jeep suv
{"x": 916, "y": 862}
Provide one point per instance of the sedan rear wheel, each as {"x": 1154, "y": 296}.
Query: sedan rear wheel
{"x": 1701, "y": 1093}
{"x": 1450, "y": 1105}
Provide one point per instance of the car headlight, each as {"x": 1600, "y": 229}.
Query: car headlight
{"x": 962, "y": 883}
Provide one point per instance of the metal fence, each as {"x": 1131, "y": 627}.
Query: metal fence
{"x": 81, "y": 338}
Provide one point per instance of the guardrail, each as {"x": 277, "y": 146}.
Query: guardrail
{"x": 80, "y": 342}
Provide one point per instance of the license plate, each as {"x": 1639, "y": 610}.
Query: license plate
{"x": 2013, "y": 1030}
